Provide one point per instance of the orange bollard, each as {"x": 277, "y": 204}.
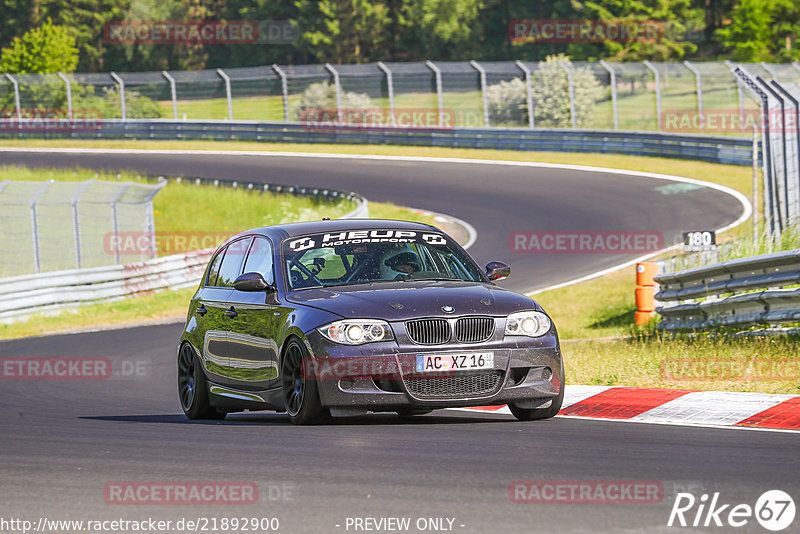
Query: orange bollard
{"x": 645, "y": 292}
{"x": 645, "y": 299}
{"x": 645, "y": 273}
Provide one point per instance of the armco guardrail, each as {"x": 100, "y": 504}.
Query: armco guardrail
{"x": 733, "y": 294}
{"x": 21, "y": 296}
{"x": 717, "y": 149}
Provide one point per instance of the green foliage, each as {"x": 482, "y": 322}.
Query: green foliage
{"x": 507, "y": 103}
{"x": 48, "y": 48}
{"x": 344, "y": 31}
{"x": 763, "y": 30}
{"x": 318, "y": 103}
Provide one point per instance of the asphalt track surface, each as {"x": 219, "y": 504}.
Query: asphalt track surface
{"x": 63, "y": 442}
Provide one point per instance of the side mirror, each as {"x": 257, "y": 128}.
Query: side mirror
{"x": 251, "y": 282}
{"x": 496, "y": 270}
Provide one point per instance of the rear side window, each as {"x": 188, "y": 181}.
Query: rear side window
{"x": 213, "y": 271}
{"x": 259, "y": 259}
{"x": 231, "y": 265}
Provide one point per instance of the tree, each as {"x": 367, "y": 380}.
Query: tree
{"x": 343, "y": 31}
{"x": 762, "y": 30}
{"x": 440, "y": 29}
{"x": 48, "y": 48}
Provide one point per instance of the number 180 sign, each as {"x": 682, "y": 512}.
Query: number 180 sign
{"x": 699, "y": 241}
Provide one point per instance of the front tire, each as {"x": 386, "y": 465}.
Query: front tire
{"x": 537, "y": 414}
{"x": 300, "y": 391}
{"x": 193, "y": 387}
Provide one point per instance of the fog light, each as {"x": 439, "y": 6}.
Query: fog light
{"x": 345, "y": 383}
{"x": 547, "y": 373}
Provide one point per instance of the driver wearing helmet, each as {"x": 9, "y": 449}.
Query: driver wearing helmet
{"x": 397, "y": 264}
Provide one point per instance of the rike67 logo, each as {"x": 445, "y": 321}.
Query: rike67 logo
{"x": 774, "y": 510}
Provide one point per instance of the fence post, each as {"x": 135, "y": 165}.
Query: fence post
{"x": 76, "y": 228}
{"x": 755, "y": 186}
{"x": 284, "y": 90}
{"x": 528, "y": 91}
{"x": 786, "y": 205}
{"x": 338, "y": 87}
{"x": 37, "y": 262}
{"x": 439, "y": 99}
{"x": 16, "y": 96}
{"x": 794, "y": 131}
{"x": 173, "y": 93}
{"x": 738, "y": 92}
{"x": 613, "y": 81}
{"x": 571, "y": 90}
{"x": 390, "y": 87}
{"x": 114, "y": 220}
{"x": 69, "y": 93}
{"x": 121, "y": 84}
{"x": 482, "y": 74}
{"x": 657, "y": 80}
{"x": 227, "y": 81}
{"x": 698, "y": 83}
{"x": 769, "y": 196}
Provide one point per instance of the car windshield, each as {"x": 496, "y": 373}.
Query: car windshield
{"x": 369, "y": 256}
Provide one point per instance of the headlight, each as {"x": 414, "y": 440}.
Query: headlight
{"x": 529, "y": 323}
{"x": 357, "y": 331}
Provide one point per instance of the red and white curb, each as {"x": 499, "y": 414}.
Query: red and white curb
{"x": 677, "y": 407}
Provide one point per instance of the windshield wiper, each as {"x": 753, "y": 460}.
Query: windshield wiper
{"x": 432, "y": 279}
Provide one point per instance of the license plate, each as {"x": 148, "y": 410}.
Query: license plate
{"x": 455, "y": 362}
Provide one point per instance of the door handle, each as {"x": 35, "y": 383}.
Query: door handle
{"x": 201, "y": 310}
{"x": 232, "y": 313}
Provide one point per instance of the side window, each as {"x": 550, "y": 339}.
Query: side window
{"x": 259, "y": 259}
{"x": 213, "y": 271}
{"x": 232, "y": 262}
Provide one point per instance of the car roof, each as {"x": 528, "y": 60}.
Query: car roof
{"x": 280, "y": 232}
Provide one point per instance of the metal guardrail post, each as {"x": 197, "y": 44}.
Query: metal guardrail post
{"x": 439, "y": 98}
{"x": 227, "y": 81}
{"x": 338, "y": 87}
{"x": 173, "y": 93}
{"x": 484, "y": 97}
{"x": 787, "y": 207}
{"x": 613, "y": 82}
{"x": 121, "y": 84}
{"x": 571, "y": 89}
{"x": 16, "y": 96}
{"x": 796, "y": 132}
{"x": 284, "y": 90}
{"x": 769, "y": 195}
{"x": 657, "y": 80}
{"x": 69, "y": 93}
{"x": 37, "y": 262}
{"x": 390, "y": 87}
{"x": 698, "y": 83}
{"x": 528, "y": 91}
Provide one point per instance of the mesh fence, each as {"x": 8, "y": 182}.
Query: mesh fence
{"x": 50, "y": 226}
{"x": 257, "y": 93}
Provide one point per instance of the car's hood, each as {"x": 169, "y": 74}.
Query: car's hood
{"x": 398, "y": 301}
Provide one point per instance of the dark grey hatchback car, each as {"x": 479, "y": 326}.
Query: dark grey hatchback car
{"x": 337, "y": 318}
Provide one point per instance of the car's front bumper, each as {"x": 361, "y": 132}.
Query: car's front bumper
{"x": 382, "y": 377}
